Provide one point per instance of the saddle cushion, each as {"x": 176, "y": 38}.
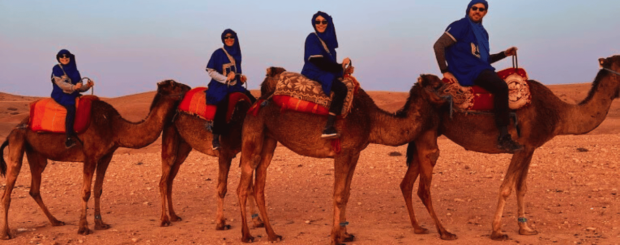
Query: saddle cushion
{"x": 475, "y": 98}
{"x": 194, "y": 103}
{"x": 298, "y": 93}
{"x": 46, "y": 115}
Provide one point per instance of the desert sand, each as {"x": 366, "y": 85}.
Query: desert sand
{"x": 572, "y": 198}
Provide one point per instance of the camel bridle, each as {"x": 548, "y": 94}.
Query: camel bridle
{"x": 612, "y": 71}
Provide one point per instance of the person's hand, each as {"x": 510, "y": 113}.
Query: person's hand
{"x": 78, "y": 86}
{"x": 350, "y": 70}
{"x": 231, "y": 76}
{"x": 345, "y": 62}
{"x": 243, "y": 78}
{"x": 511, "y": 51}
{"x": 449, "y": 76}
{"x": 91, "y": 83}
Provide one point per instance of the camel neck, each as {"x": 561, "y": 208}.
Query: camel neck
{"x": 140, "y": 134}
{"x": 401, "y": 127}
{"x": 590, "y": 113}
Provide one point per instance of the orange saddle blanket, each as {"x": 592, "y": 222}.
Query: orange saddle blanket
{"x": 46, "y": 115}
{"x": 475, "y": 98}
{"x": 195, "y": 103}
{"x": 295, "y": 92}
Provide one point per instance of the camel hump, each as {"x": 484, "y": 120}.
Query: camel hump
{"x": 274, "y": 71}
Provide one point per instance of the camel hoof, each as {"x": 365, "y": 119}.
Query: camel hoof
{"x": 175, "y": 218}
{"x": 247, "y": 239}
{"x": 102, "y": 226}
{"x": 84, "y": 231}
{"x": 221, "y": 227}
{"x": 57, "y": 223}
{"x": 528, "y": 232}
{"x": 421, "y": 231}
{"x": 6, "y": 236}
{"x": 277, "y": 238}
{"x": 165, "y": 223}
{"x": 448, "y": 236}
{"x": 499, "y": 237}
{"x": 348, "y": 237}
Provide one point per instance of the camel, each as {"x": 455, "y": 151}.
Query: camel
{"x": 107, "y": 132}
{"x": 546, "y": 117}
{"x": 186, "y": 132}
{"x": 300, "y": 132}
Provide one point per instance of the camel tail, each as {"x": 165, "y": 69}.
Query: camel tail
{"x": 411, "y": 149}
{"x": 2, "y": 162}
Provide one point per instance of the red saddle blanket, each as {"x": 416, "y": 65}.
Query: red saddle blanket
{"x": 195, "y": 103}
{"x": 48, "y": 116}
{"x": 475, "y": 98}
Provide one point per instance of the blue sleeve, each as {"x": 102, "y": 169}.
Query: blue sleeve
{"x": 458, "y": 29}
{"x": 313, "y": 47}
{"x": 57, "y": 71}
{"x": 216, "y": 61}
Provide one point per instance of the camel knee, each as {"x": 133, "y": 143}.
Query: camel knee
{"x": 86, "y": 196}
{"x": 221, "y": 192}
{"x": 505, "y": 193}
{"x": 433, "y": 156}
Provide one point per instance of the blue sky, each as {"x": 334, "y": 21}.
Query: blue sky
{"x": 128, "y": 46}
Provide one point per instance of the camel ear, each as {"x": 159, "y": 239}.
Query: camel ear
{"x": 602, "y": 62}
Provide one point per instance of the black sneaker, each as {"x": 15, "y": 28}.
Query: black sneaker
{"x": 330, "y": 133}
{"x": 506, "y": 143}
{"x": 69, "y": 143}
{"x": 216, "y": 143}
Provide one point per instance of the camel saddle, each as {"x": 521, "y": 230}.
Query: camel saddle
{"x": 46, "y": 115}
{"x": 475, "y": 98}
{"x": 298, "y": 93}
{"x": 194, "y": 103}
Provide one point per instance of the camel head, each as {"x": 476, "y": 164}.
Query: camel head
{"x": 170, "y": 89}
{"x": 432, "y": 85}
{"x": 269, "y": 85}
{"x": 612, "y": 63}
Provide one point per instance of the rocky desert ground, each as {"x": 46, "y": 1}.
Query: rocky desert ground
{"x": 572, "y": 198}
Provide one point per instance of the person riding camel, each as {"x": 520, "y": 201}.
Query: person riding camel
{"x": 321, "y": 65}
{"x": 224, "y": 68}
{"x": 67, "y": 86}
{"x": 465, "y": 47}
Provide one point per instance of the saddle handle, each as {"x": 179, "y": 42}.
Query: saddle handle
{"x": 515, "y": 61}
{"x": 92, "y": 90}
{"x": 349, "y": 65}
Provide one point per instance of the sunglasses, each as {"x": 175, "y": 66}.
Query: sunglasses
{"x": 478, "y": 9}
{"x": 229, "y": 37}
{"x": 318, "y": 22}
{"x": 64, "y": 56}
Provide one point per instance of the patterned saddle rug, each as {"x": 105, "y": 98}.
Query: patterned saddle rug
{"x": 46, "y": 115}
{"x": 194, "y": 103}
{"x": 475, "y": 98}
{"x": 298, "y": 93}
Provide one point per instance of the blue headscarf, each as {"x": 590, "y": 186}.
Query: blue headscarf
{"x": 70, "y": 69}
{"x": 235, "y": 50}
{"x": 479, "y": 32}
{"x": 329, "y": 36}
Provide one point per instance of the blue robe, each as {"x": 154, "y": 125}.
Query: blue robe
{"x": 222, "y": 64}
{"x": 321, "y": 45}
{"x": 74, "y": 75}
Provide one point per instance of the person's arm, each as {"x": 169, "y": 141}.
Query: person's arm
{"x": 497, "y": 57}
{"x": 440, "y": 46}
{"x": 85, "y": 88}
{"x": 217, "y": 76}
{"x": 325, "y": 65}
{"x": 66, "y": 87}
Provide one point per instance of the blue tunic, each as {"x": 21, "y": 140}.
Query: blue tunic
{"x": 222, "y": 64}
{"x": 315, "y": 48}
{"x": 463, "y": 57}
{"x": 74, "y": 75}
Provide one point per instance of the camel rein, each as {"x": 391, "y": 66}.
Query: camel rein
{"x": 612, "y": 71}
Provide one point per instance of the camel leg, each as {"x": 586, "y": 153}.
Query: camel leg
{"x": 37, "y": 165}
{"x": 521, "y": 187}
{"x": 169, "y": 151}
{"x": 88, "y": 172}
{"x": 250, "y": 157}
{"x": 183, "y": 151}
{"x": 256, "y": 220}
{"x": 428, "y": 152}
{"x": 224, "y": 160}
{"x": 102, "y": 167}
{"x": 269, "y": 146}
{"x": 517, "y": 164}
{"x": 406, "y": 187}
{"x": 344, "y": 166}
{"x": 16, "y": 155}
